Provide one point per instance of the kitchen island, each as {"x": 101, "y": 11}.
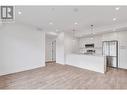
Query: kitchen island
{"x": 90, "y": 62}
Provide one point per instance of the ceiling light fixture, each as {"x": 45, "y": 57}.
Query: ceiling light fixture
{"x": 57, "y": 30}
{"x": 19, "y": 12}
{"x": 117, "y": 8}
{"x": 51, "y": 23}
{"x": 114, "y": 19}
{"x": 75, "y": 23}
{"x": 73, "y": 33}
{"x": 92, "y": 33}
{"x": 91, "y": 28}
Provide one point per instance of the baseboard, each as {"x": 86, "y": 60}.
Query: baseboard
{"x": 50, "y": 61}
{"x": 20, "y": 70}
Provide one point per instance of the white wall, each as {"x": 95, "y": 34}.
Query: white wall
{"x": 68, "y": 49}
{"x": 65, "y": 45}
{"x": 60, "y": 53}
{"x": 70, "y": 45}
{"x": 21, "y": 48}
{"x": 120, "y": 36}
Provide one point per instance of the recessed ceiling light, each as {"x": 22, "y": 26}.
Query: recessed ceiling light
{"x": 114, "y": 19}
{"x": 117, "y": 8}
{"x": 75, "y": 23}
{"x": 50, "y": 23}
{"x": 19, "y": 12}
{"x": 57, "y": 30}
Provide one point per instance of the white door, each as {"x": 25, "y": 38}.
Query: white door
{"x": 54, "y": 51}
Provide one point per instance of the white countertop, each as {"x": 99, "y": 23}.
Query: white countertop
{"x": 87, "y": 54}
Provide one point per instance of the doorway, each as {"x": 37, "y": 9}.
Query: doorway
{"x": 50, "y": 47}
{"x": 53, "y": 53}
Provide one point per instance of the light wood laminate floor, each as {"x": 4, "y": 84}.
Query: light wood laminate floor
{"x": 56, "y": 76}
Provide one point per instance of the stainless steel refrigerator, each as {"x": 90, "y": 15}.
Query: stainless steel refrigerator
{"x": 110, "y": 51}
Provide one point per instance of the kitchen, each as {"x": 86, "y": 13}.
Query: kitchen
{"x": 101, "y": 51}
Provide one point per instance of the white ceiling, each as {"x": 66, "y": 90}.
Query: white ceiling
{"x": 64, "y": 17}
